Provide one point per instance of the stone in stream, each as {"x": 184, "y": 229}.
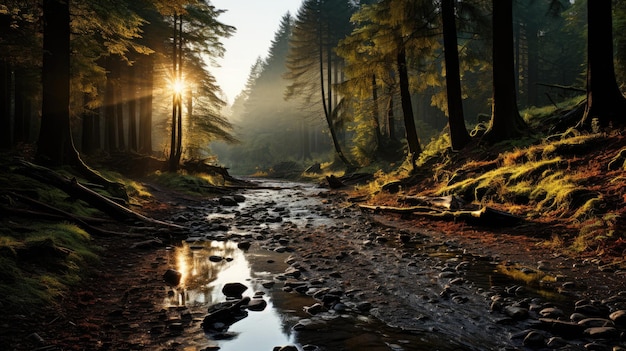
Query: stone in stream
{"x": 257, "y": 304}
{"x": 602, "y": 332}
{"x": 228, "y": 201}
{"x": 285, "y": 348}
{"x": 234, "y": 289}
{"x": 618, "y": 317}
{"x": 244, "y": 245}
{"x": 314, "y": 309}
{"x": 172, "y": 277}
{"x": 224, "y": 315}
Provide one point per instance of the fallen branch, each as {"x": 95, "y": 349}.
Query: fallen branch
{"x": 55, "y": 212}
{"x": 73, "y": 188}
{"x": 484, "y": 216}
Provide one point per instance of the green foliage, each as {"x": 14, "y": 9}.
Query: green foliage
{"x": 191, "y": 184}
{"x": 40, "y": 263}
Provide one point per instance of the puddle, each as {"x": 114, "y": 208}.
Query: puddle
{"x": 201, "y": 287}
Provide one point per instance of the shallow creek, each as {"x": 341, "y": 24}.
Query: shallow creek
{"x": 211, "y": 258}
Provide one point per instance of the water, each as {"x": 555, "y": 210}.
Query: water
{"x": 207, "y": 265}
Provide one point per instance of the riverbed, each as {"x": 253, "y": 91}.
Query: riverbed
{"x": 331, "y": 278}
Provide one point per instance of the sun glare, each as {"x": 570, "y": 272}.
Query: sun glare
{"x": 178, "y": 86}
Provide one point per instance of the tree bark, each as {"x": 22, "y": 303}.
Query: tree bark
{"x": 407, "y": 107}
{"x": 459, "y": 136}
{"x": 5, "y": 105}
{"x": 605, "y": 102}
{"x": 55, "y": 144}
{"x": 133, "y": 98}
{"x": 145, "y": 105}
{"x": 506, "y": 122}
{"x": 110, "y": 141}
{"x": 375, "y": 117}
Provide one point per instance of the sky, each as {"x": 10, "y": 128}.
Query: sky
{"x": 257, "y": 22}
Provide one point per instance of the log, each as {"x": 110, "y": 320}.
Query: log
{"x": 58, "y": 213}
{"x": 450, "y": 202}
{"x": 73, "y": 188}
{"x": 484, "y": 216}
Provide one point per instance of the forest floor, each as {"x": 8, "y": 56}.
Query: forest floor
{"x": 88, "y": 317}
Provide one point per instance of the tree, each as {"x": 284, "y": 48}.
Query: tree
{"x": 55, "y": 145}
{"x": 313, "y": 67}
{"x": 506, "y": 122}
{"x": 605, "y": 102}
{"x": 459, "y": 136}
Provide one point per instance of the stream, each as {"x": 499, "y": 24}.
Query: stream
{"x": 293, "y": 246}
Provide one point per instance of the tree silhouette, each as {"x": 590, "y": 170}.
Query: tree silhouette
{"x": 605, "y": 102}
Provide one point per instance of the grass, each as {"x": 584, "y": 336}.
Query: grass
{"x": 40, "y": 262}
{"x": 553, "y": 178}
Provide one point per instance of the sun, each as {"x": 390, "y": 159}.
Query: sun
{"x": 178, "y": 86}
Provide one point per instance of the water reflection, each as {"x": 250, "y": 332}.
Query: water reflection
{"x": 207, "y": 267}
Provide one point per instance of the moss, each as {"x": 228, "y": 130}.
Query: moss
{"x": 41, "y": 262}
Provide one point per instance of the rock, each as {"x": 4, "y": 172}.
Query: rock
{"x": 514, "y": 312}
{"x": 228, "y": 201}
{"x": 244, "y": 245}
{"x": 285, "y": 348}
{"x": 225, "y": 315}
{"x": 293, "y": 272}
{"x": 239, "y": 198}
{"x": 268, "y": 284}
{"x": 592, "y": 310}
{"x": 172, "y": 277}
{"x": 562, "y": 328}
{"x": 556, "y": 342}
{"x": 314, "y": 309}
{"x": 602, "y": 333}
{"x": 596, "y": 322}
{"x": 551, "y": 312}
{"x": 234, "y": 289}
{"x": 364, "y": 306}
{"x": 534, "y": 339}
{"x": 257, "y": 304}
{"x": 618, "y": 317}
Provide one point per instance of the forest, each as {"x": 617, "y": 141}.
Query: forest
{"x": 439, "y": 109}
{"x": 345, "y": 84}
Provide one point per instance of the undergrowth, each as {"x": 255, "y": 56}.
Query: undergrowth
{"x": 559, "y": 178}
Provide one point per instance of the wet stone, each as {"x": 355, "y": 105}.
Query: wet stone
{"x": 257, "y": 304}
{"x": 619, "y": 317}
{"x": 602, "y": 332}
{"x": 172, "y": 277}
{"x": 534, "y": 339}
{"x": 552, "y": 312}
{"x": 234, "y": 289}
{"x": 596, "y": 322}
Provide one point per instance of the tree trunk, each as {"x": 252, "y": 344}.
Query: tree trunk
{"x": 55, "y": 145}
{"x": 506, "y": 122}
{"x": 390, "y": 118}
{"x": 132, "y": 88}
{"x": 605, "y": 102}
{"x": 533, "y": 63}
{"x": 326, "y": 100}
{"x": 459, "y": 136}
{"x": 5, "y": 106}
{"x": 87, "y": 145}
{"x": 110, "y": 139}
{"x": 375, "y": 117}
{"x": 119, "y": 105}
{"x": 407, "y": 107}
{"x": 145, "y": 105}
